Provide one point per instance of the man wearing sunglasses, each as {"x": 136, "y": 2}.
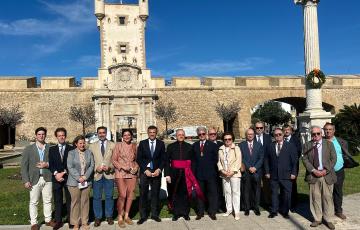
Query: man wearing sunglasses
{"x": 281, "y": 168}
{"x": 205, "y": 160}
{"x": 265, "y": 140}
{"x": 319, "y": 158}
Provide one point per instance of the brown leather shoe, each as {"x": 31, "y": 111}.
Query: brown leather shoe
{"x": 341, "y": 216}
{"x": 97, "y": 222}
{"x": 315, "y": 224}
{"x": 330, "y": 225}
{"x": 129, "y": 221}
{"x": 121, "y": 223}
{"x": 35, "y": 227}
{"x": 110, "y": 220}
{"x": 51, "y": 223}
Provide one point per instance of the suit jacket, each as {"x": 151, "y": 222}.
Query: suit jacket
{"x": 206, "y": 165}
{"x": 234, "y": 159}
{"x": 100, "y": 159}
{"x": 266, "y": 140}
{"x": 56, "y": 164}
{"x": 29, "y": 171}
{"x": 256, "y": 159}
{"x": 328, "y": 161}
{"x": 74, "y": 167}
{"x": 283, "y": 166}
{"x": 144, "y": 156}
{"x": 296, "y": 142}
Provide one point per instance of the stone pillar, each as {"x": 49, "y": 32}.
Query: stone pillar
{"x": 314, "y": 113}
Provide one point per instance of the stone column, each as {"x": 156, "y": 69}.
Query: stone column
{"x": 314, "y": 113}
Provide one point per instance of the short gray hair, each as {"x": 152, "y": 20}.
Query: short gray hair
{"x": 315, "y": 127}
{"x": 200, "y": 128}
{"x": 180, "y": 130}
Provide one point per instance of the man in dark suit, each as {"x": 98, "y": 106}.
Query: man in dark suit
{"x": 291, "y": 138}
{"x": 341, "y": 148}
{"x": 58, "y": 167}
{"x": 281, "y": 168}
{"x": 252, "y": 157}
{"x": 205, "y": 161}
{"x": 151, "y": 158}
{"x": 212, "y": 136}
{"x": 265, "y": 140}
{"x": 319, "y": 158}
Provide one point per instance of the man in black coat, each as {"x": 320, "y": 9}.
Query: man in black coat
{"x": 281, "y": 168}
{"x": 151, "y": 158}
{"x": 58, "y": 167}
{"x": 253, "y": 158}
{"x": 205, "y": 160}
{"x": 293, "y": 139}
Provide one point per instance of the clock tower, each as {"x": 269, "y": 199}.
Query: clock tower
{"x": 124, "y": 97}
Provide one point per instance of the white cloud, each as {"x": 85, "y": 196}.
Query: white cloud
{"x": 216, "y": 67}
{"x": 71, "y": 20}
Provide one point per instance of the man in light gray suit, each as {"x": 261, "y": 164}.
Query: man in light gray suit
{"x": 319, "y": 158}
{"x": 36, "y": 177}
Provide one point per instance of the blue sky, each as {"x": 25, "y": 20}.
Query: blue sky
{"x": 184, "y": 38}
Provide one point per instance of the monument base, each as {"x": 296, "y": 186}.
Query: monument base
{"x": 312, "y": 118}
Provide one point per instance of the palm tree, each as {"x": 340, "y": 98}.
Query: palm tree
{"x": 347, "y": 126}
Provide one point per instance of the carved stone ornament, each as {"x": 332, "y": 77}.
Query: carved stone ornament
{"x": 124, "y": 77}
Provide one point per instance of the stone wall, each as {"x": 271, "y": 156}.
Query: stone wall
{"x": 49, "y": 104}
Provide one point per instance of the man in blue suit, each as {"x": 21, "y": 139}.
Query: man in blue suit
{"x": 252, "y": 157}
{"x": 151, "y": 158}
{"x": 206, "y": 172}
{"x": 293, "y": 139}
{"x": 281, "y": 168}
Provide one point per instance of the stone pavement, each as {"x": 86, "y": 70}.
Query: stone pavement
{"x": 297, "y": 220}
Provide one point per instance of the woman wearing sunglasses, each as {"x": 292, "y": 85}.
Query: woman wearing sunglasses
{"x": 229, "y": 165}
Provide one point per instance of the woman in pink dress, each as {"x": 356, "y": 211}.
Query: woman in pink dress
{"x": 126, "y": 174}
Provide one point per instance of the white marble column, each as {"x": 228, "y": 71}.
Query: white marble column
{"x": 314, "y": 113}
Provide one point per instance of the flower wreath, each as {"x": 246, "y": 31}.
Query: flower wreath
{"x": 315, "y": 79}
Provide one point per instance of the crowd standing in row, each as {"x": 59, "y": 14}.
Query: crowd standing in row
{"x": 218, "y": 175}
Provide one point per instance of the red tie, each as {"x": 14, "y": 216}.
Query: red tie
{"x": 202, "y": 148}
{"x": 316, "y": 156}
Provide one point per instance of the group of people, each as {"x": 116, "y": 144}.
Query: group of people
{"x": 216, "y": 175}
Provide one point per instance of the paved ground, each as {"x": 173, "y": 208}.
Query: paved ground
{"x": 299, "y": 220}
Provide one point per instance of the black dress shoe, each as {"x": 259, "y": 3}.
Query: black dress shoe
{"x": 110, "y": 220}
{"x": 156, "y": 218}
{"x": 175, "y": 218}
{"x": 187, "y": 217}
{"x": 272, "y": 215}
{"x": 141, "y": 221}
{"x": 212, "y": 216}
{"x": 198, "y": 217}
{"x": 58, "y": 225}
{"x": 247, "y": 212}
{"x": 97, "y": 222}
{"x": 257, "y": 212}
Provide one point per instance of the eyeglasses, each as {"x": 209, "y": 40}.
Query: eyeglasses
{"x": 228, "y": 139}
{"x": 201, "y": 134}
{"x": 212, "y": 134}
{"x": 259, "y": 127}
{"x": 315, "y": 134}
{"x": 278, "y": 134}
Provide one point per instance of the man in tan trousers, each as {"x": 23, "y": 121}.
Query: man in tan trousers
{"x": 319, "y": 158}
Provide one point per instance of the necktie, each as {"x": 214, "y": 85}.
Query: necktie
{"x": 251, "y": 148}
{"x": 202, "y": 148}
{"x": 316, "y": 156}
{"x": 278, "y": 149}
{"x": 102, "y": 149}
{"x": 62, "y": 152}
{"x": 152, "y": 150}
